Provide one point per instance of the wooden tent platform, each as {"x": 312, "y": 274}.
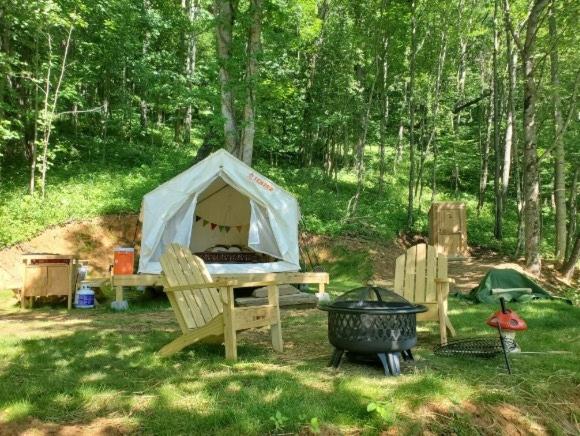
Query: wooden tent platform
{"x": 315, "y": 278}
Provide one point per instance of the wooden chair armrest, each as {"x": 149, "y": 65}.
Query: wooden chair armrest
{"x": 447, "y": 280}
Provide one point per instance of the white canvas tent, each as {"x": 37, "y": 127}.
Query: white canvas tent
{"x": 221, "y": 200}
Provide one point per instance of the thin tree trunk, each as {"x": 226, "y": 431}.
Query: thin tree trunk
{"x": 145, "y": 49}
{"x": 559, "y": 153}
{"x": 511, "y": 55}
{"x": 484, "y": 159}
{"x": 190, "y": 7}
{"x": 254, "y": 35}
{"x": 496, "y": 145}
{"x": 224, "y": 13}
{"x": 573, "y": 202}
{"x": 384, "y": 105}
{"x": 410, "y": 201}
{"x": 49, "y": 110}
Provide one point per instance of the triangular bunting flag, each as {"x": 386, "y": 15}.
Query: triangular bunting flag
{"x": 205, "y": 222}
{"x": 239, "y": 228}
{"x": 228, "y": 228}
{"x": 197, "y": 218}
{"x": 222, "y": 228}
{"x": 213, "y": 226}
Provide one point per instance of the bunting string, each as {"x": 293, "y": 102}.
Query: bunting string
{"x": 220, "y": 227}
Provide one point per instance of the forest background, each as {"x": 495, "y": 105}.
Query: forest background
{"x": 366, "y": 110}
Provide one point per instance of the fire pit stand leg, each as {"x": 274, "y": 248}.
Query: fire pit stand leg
{"x": 336, "y": 358}
{"x": 393, "y": 362}
{"x": 383, "y": 359}
{"x": 407, "y": 355}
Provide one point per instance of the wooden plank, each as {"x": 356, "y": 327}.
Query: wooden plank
{"x": 211, "y": 330}
{"x": 186, "y": 302}
{"x": 285, "y": 300}
{"x": 400, "y": 274}
{"x": 230, "y": 340}
{"x": 136, "y": 280}
{"x": 281, "y": 278}
{"x": 432, "y": 313}
{"x": 276, "y": 323}
{"x": 212, "y": 293}
{"x": 175, "y": 305}
{"x": 431, "y": 274}
{"x": 441, "y": 266}
{"x": 410, "y": 277}
{"x": 251, "y": 317}
{"x": 192, "y": 274}
{"x": 420, "y": 273}
{"x": 193, "y": 295}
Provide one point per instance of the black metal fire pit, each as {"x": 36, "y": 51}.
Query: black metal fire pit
{"x": 373, "y": 321}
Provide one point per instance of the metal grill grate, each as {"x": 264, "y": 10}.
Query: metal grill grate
{"x": 488, "y": 346}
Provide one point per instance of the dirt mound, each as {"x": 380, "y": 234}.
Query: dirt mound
{"x": 92, "y": 240}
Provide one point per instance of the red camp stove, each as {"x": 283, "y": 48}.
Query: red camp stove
{"x": 508, "y": 322}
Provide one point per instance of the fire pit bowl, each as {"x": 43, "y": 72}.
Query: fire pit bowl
{"x": 372, "y": 320}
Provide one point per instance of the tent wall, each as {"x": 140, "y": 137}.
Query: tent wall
{"x": 221, "y": 204}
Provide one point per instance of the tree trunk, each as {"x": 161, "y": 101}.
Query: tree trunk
{"x": 484, "y": 159}
{"x": 530, "y": 162}
{"x": 412, "y": 115}
{"x": 570, "y": 264}
{"x": 573, "y": 202}
{"x": 510, "y": 115}
{"x": 144, "y": 51}
{"x": 384, "y": 112}
{"x": 498, "y": 191}
{"x": 224, "y": 13}
{"x": 254, "y": 35}
{"x": 50, "y": 109}
{"x": 559, "y": 154}
{"x": 190, "y": 63}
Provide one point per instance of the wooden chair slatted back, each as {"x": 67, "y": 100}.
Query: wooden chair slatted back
{"x": 416, "y": 271}
{"x": 195, "y": 307}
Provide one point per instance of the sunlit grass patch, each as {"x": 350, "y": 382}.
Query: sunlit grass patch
{"x": 16, "y": 411}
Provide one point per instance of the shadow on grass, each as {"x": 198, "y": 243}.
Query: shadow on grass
{"x": 90, "y": 365}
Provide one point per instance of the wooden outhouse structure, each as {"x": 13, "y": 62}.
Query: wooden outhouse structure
{"x": 448, "y": 228}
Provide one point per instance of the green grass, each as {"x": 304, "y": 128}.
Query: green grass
{"x": 102, "y": 364}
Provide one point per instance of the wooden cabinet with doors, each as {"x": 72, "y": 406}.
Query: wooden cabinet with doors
{"x": 47, "y": 275}
{"x": 448, "y": 228}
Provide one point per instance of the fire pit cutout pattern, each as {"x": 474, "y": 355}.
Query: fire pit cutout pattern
{"x": 372, "y": 320}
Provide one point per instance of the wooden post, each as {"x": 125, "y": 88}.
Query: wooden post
{"x": 119, "y": 293}
{"x": 276, "y": 325}
{"x": 229, "y": 325}
{"x": 442, "y": 308}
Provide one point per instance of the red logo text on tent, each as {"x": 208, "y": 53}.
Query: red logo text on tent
{"x": 260, "y": 182}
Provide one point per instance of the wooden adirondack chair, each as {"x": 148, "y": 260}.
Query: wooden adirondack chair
{"x": 421, "y": 277}
{"x": 205, "y": 308}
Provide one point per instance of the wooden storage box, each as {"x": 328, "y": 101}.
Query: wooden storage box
{"x": 448, "y": 228}
{"x": 46, "y": 275}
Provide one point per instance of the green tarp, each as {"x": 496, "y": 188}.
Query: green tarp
{"x": 507, "y": 283}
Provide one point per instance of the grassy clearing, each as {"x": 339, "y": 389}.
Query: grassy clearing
{"x": 84, "y": 366}
{"x": 91, "y": 368}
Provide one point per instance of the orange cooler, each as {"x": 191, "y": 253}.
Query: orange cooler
{"x": 124, "y": 259}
